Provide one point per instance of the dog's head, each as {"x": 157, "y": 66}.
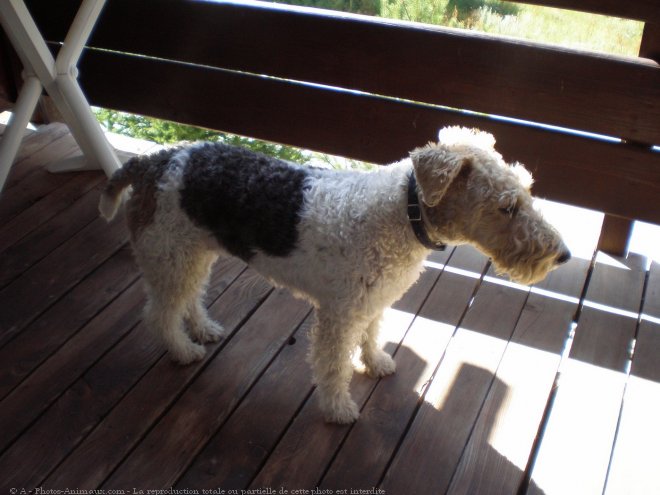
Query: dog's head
{"x": 470, "y": 195}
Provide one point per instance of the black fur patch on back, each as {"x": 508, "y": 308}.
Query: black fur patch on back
{"x": 247, "y": 200}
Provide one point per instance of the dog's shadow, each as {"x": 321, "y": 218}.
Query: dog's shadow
{"x": 451, "y": 443}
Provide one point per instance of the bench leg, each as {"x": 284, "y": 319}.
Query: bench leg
{"x": 615, "y": 235}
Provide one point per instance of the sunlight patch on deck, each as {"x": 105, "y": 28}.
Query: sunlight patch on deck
{"x": 504, "y": 282}
{"x": 518, "y": 398}
{"x": 645, "y": 240}
{"x": 651, "y": 319}
{"x": 576, "y": 432}
{"x": 451, "y": 269}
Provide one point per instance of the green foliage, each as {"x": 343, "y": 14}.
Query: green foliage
{"x": 429, "y": 12}
{"x": 280, "y": 151}
{"x": 340, "y": 163}
{"x": 465, "y": 9}
{"x": 367, "y": 7}
{"x": 166, "y": 132}
{"x": 454, "y": 13}
{"x": 156, "y": 130}
{"x": 566, "y": 28}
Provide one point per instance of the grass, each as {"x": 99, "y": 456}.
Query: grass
{"x": 566, "y": 28}
{"x": 547, "y": 25}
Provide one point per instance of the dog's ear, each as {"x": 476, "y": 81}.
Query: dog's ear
{"x": 436, "y": 167}
{"x": 524, "y": 175}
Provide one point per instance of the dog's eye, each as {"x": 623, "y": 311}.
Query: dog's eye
{"x": 509, "y": 211}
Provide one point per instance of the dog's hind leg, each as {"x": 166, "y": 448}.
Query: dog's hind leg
{"x": 165, "y": 316}
{"x": 377, "y": 362}
{"x": 174, "y": 276}
{"x": 200, "y": 325}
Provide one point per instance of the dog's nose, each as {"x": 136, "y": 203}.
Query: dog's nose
{"x": 564, "y": 257}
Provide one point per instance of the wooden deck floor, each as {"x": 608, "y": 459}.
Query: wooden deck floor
{"x": 499, "y": 388}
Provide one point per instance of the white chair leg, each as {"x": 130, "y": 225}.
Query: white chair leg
{"x": 11, "y": 139}
{"x": 58, "y": 78}
{"x": 86, "y": 130}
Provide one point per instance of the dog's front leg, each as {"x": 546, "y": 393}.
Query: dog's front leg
{"x": 377, "y": 362}
{"x": 332, "y": 341}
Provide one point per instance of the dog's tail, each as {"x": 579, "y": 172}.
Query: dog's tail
{"x": 113, "y": 194}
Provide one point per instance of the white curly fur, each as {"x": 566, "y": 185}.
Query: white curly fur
{"x": 356, "y": 252}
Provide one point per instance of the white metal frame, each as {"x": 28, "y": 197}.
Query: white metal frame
{"x": 59, "y": 78}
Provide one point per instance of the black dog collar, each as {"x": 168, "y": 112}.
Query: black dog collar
{"x": 415, "y": 217}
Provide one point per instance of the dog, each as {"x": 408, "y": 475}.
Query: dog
{"x": 349, "y": 242}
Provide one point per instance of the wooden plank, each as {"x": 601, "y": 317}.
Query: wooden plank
{"x": 46, "y": 208}
{"x": 354, "y": 126}
{"x": 634, "y": 468}
{"x": 120, "y": 431}
{"x": 497, "y": 454}
{"x": 645, "y": 362}
{"x": 74, "y": 415}
{"x": 44, "y": 239}
{"x": 78, "y": 306}
{"x": 443, "y": 425}
{"x": 292, "y": 464}
{"x": 45, "y": 282}
{"x": 579, "y": 434}
{"x": 34, "y": 142}
{"x": 235, "y": 452}
{"x": 24, "y": 463}
{"x": 162, "y": 457}
{"x": 603, "y": 94}
{"x": 26, "y": 402}
{"x": 29, "y": 181}
{"x": 66, "y": 317}
{"x": 644, "y": 10}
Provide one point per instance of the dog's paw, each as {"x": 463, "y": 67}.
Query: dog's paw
{"x": 379, "y": 365}
{"x": 189, "y": 353}
{"x": 342, "y": 412}
{"x": 212, "y": 332}
{"x": 205, "y": 331}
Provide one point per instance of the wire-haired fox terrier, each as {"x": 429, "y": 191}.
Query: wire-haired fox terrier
{"x": 349, "y": 242}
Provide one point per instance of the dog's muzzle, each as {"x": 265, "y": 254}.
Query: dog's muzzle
{"x": 563, "y": 257}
